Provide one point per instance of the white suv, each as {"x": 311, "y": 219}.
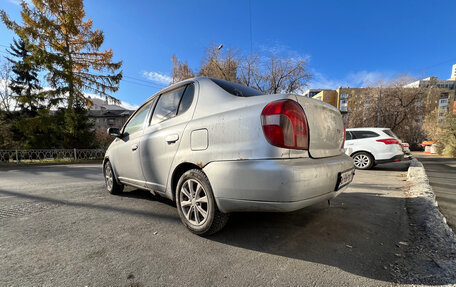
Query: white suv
{"x": 371, "y": 146}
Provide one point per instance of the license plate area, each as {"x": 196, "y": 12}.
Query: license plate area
{"x": 344, "y": 178}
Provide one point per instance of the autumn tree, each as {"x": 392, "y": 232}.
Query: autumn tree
{"x": 180, "y": 70}
{"x": 64, "y": 42}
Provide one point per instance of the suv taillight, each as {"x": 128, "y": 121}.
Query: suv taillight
{"x": 389, "y": 141}
{"x": 285, "y": 125}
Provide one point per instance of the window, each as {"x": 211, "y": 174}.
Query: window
{"x": 136, "y": 122}
{"x": 236, "y": 89}
{"x": 390, "y": 133}
{"x": 187, "y": 99}
{"x": 364, "y": 134}
{"x": 167, "y": 105}
{"x": 348, "y": 136}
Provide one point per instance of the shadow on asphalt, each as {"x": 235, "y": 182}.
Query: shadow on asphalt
{"x": 393, "y": 166}
{"x": 358, "y": 233}
{"x": 109, "y": 208}
{"x": 89, "y": 172}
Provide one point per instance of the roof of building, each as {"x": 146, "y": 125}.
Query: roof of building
{"x": 109, "y": 113}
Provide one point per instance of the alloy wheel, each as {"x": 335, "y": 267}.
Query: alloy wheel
{"x": 361, "y": 161}
{"x": 194, "y": 202}
{"x": 108, "y": 177}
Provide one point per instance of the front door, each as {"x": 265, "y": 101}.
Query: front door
{"x": 162, "y": 137}
{"x": 126, "y": 150}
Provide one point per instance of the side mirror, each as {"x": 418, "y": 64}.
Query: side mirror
{"x": 115, "y": 132}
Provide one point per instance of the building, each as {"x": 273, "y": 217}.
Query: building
{"x": 434, "y": 82}
{"x": 104, "y": 119}
{"x": 327, "y": 96}
{"x": 312, "y": 92}
{"x": 440, "y": 95}
{"x": 105, "y": 115}
{"x": 345, "y": 99}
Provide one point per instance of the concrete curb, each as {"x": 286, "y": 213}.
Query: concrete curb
{"x": 416, "y": 175}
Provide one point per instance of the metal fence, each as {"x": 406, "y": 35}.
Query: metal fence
{"x": 37, "y": 155}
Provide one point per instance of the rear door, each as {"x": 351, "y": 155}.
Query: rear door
{"x": 162, "y": 137}
{"x": 364, "y": 140}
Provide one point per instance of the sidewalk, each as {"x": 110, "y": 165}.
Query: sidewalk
{"x": 442, "y": 177}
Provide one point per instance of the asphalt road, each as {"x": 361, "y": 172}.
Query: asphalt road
{"x": 58, "y": 227}
{"x": 442, "y": 177}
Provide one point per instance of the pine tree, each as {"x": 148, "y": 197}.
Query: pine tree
{"x": 24, "y": 84}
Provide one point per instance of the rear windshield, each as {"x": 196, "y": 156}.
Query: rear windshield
{"x": 390, "y": 133}
{"x": 236, "y": 89}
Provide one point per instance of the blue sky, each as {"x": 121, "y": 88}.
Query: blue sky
{"x": 347, "y": 43}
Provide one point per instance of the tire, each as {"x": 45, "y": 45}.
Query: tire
{"x": 363, "y": 160}
{"x": 196, "y": 205}
{"x": 112, "y": 185}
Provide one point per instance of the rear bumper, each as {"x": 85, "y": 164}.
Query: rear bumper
{"x": 398, "y": 157}
{"x": 275, "y": 184}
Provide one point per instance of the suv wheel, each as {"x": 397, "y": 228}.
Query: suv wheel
{"x": 363, "y": 160}
{"x": 112, "y": 185}
{"x": 196, "y": 204}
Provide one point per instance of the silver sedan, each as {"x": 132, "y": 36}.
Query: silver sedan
{"x": 216, "y": 147}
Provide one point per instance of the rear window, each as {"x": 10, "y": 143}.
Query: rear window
{"x": 364, "y": 134}
{"x": 236, "y": 89}
{"x": 390, "y": 133}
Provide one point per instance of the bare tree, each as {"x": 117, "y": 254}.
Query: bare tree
{"x": 271, "y": 74}
{"x": 284, "y": 75}
{"x": 180, "y": 71}
{"x": 399, "y": 108}
{"x": 7, "y": 100}
{"x": 249, "y": 71}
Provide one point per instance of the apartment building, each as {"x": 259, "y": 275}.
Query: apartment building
{"x": 440, "y": 95}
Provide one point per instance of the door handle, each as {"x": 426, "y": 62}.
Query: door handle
{"x": 134, "y": 147}
{"x": 172, "y": 138}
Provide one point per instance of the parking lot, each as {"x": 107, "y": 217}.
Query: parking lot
{"x": 58, "y": 227}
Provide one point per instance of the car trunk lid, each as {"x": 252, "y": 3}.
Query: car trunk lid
{"x": 326, "y": 127}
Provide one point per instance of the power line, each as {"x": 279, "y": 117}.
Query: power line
{"x": 438, "y": 64}
{"x": 250, "y": 21}
{"x": 145, "y": 81}
{"x": 140, "y": 84}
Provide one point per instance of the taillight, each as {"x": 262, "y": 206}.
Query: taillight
{"x": 285, "y": 125}
{"x": 389, "y": 141}
{"x": 343, "y": 140}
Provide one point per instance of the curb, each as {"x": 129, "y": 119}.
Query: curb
{"x": 37, "y": 164}
{"x": 416, "y": 175}
{"x": 440, "y": 237}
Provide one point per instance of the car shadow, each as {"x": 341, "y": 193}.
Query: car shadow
{"x": 393, "y": 166}
{"x": 146, "y": 195}
{"x": 359, "y": 233}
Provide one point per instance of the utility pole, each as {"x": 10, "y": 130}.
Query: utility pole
{"x": 379, "y": 107}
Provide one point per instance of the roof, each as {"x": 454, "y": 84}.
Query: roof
{"x": 367, "y": 128}
{"x": 109, "y": 113}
